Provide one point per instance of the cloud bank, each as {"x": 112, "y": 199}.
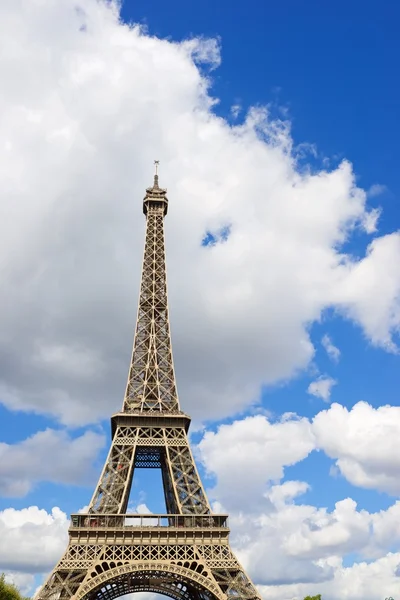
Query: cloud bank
{"x": 87, "y": 103}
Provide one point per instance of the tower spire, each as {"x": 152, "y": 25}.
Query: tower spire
{"x": 156, "y": 164}
{"x": 151, "y": 383}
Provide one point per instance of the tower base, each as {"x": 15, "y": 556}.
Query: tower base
{"x": 181, "y": 556}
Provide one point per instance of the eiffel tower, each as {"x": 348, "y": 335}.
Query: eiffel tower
{"x": 184, "y": 554}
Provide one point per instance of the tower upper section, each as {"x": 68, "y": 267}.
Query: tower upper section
{"x": 155, "y": 196}
{"x": 151, "y": 386}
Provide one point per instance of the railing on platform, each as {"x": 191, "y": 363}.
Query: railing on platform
{"x": 86, "y": 521}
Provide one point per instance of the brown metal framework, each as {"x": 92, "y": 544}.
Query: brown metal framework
{"x": 184, "y": 554}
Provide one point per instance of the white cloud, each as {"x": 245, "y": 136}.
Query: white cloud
{"x": 362, "y": 581}
{"x": 203, "y": 51}
{"x": 304, "y": 545}
{"x": 236, "y": 110}
{"x": 377, "y": 189}
{"x": 370, "y": 220}
{"x": 48, "y": 456}
{"x": 359, "y": 295}
{"x": 322, "y": 387}
{"x": 362, "y": 441}
{"x": 32, "y": 540}
{"x": 323, "y": 534}
{"x": 258, "y": 450}
{"x": 87, "y": 103}
{"x": 332, "y": 351}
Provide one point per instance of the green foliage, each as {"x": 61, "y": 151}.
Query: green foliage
{"x": 319, "y": 597}
{"x": 8, "y": 591}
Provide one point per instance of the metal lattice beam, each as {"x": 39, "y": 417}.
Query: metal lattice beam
{"x": 151, "y": 383}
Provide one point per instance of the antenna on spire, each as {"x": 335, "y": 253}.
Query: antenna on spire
{"x": 156, "y": 163}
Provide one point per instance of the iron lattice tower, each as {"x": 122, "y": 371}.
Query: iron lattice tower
{"x": 184, "y": 554}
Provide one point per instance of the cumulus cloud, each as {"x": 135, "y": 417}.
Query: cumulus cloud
{"x": 362, "y": 441}
{"x": 87, "y": 104}
{"x": 32, "y": 540}
{"x": 305, "y": 544}
{"x": 362, "y": 581}
{"x": 322, "y": 387}
{"x": 359, "y": 297}
{"x": 332, "y": 351}
{"x": 370, "y": 220}
{"x": 291, "y": 548}
{"x": 300, "y": 540}
{"x": 48, "y": 456}
{"x": 256, "y": 449}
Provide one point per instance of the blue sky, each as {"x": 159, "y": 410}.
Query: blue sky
{"x": 329, "y": 70}
{"x": 333, "y": 66}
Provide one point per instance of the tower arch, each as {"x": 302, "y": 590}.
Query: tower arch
{"x": 176, "y": 581}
